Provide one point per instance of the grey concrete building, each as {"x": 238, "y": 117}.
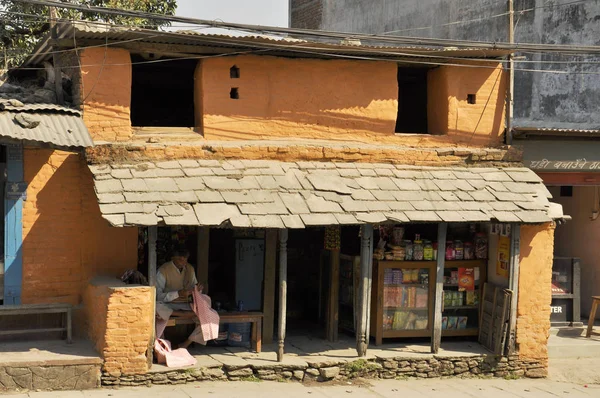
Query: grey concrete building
{"x": 542, "y": 100}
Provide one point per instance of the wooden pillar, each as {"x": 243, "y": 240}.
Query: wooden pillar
{"x": 364, "y": 290}
{"x": 269, "y": 284}
{"x": 436, "y": 338}
{"x": 283, "y": 237}
{"x": 202, "y": 247}
{"x": 513, "y": 284}
{"x": 152, "y": 236}
{"x": 334, "y": 294}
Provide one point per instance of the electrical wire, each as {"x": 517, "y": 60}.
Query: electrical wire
{"x": 303, "y": 47}
{"x": 154, "y": 34}
{"x": 520, "y": 12}
{"x": 322, "y": 34}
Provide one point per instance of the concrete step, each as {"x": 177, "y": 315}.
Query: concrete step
{"x": 572, "y": 343}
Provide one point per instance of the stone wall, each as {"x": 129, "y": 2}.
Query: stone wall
{"x": 291, "y": 152}
{"x": 49, "y": 377}
{"x": 326, "y": 370}
{"x": 121, "y": 323}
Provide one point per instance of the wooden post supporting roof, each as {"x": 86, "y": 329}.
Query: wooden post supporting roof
{"x": 364, "y": 289}
{"x": 152, "y": 236}
{"x": 436, "y": 337}
{"x": 269, "y": 284}
{"x": 334, "y": 294}
{"x": 513, "y": 284}
{"x": 202, "y": 247}
{"x": 283, "y": 237}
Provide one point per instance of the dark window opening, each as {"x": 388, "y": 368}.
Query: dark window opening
{"x": 566, "y": 191}
{"x": 234, "y": 93}
{"x": 412, "y": 100}
{"x": 471, "y": 98}
{"x": 162, "y": 93}
{"x": 234, "y": 72}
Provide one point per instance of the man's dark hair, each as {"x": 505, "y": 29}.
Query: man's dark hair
{"x": 180, "y": 251}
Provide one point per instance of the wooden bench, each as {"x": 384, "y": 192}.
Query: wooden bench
{"x": 255, "y": 318}
{"x": 38, "y": 309}
{"x": 595, "y": 302}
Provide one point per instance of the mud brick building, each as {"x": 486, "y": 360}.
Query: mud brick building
{"x": 227, "y": 144}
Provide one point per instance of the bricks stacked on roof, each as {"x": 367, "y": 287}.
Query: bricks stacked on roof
{"x": 272, "y": 194}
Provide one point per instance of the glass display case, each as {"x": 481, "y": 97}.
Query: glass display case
{"x": 562, "y": 277}
{"x": 463, "y": 284}
{"x": 402, "y": 302}
{"x": 565, "y": 309}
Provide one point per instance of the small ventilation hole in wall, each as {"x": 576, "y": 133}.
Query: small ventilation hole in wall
{"x": 234, "y": 93}
{"x": 234, "y": 72}
{"x": 471, "y": 98}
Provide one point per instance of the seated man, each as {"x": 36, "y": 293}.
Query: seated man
{"x": 175, "y": 281}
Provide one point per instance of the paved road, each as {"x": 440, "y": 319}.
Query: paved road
{"x": 447, "y": 388}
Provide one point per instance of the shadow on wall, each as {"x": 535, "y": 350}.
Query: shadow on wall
{"x": 65, "y": 240}
{"x": 288, "y": 97}
{"x": 476, "y": 113}
{"x": 335, "y": 99}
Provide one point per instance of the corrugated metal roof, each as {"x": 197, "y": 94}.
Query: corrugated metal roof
{"x": 329, "y": 48}
{"x": 555, "y": 131}
{"x": 273, "y": 194}
{"x": 60, "y": 129}
{"x": 17, "y": 106}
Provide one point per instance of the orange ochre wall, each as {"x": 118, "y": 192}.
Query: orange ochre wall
{"x": 65, "y": 240}
{"x": 535, "y": 292}
{"x": 304, "y": 98}
{"x": 297, "y": 97}
{"x": 449, "y": 113}
{"x": 120, "y": 324}
{"x": 106, "y": 92}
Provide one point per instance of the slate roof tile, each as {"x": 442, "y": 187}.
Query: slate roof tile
{"x": 273, "y": 194}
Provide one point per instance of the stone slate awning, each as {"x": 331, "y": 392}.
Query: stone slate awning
{"x": 273, "y": 194}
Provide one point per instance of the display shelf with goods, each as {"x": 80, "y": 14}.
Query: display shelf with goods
{"x": 404, "y": 275}
{"x": 463, "y": 284}
{"x": 401, "y": 304}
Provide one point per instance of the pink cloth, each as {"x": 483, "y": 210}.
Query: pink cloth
{"x": 209, "y": 318}
{"x": 172, "y": 358}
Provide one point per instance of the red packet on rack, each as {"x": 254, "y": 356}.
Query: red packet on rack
{"x": 466, "y": 279}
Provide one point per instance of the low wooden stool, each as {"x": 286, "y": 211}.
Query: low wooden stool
{"x": 595, "y": 302}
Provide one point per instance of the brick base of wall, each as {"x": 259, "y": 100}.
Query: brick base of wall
{"x": 389, "y": 368}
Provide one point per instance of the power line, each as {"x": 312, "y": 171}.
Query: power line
{"x": 153, "y": 34}
{"x": 303, "y": 47}
{"x": 482, "y": 18}
{"x": 558, "y": 48}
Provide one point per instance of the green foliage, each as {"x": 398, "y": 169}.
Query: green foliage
{"x": 252, "y": 379}
{"x": 22, "y": 25}
{"x": 360, "y": 368}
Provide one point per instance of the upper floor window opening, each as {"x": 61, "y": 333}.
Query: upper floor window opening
{"x": 234, "y": 72}
{"x": 162, "y": 93}
{"x": 412, "y": 100}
